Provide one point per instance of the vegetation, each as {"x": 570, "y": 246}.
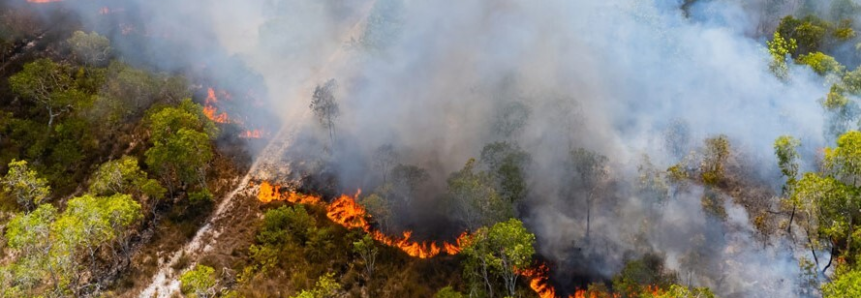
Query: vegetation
{"x": 109, "y": 163}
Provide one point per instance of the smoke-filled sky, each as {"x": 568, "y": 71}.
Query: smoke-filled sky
{"x": 440, "y": 79}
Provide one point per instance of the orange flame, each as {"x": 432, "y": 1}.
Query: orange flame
{"x": 211, "y": 111}
{"x": 346, "y": 212}
{"x": 538, "y": 281}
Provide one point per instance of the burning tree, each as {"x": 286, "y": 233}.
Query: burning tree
{"x": 326, "y": 108}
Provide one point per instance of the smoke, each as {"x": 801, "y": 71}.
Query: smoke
{"x": 440, "y": 80}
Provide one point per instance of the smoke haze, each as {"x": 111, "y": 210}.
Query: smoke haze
{"x": 439, "y": 80}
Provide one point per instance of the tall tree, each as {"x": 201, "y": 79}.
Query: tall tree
{"x": 474, "y": 198}
{"x": 507, "y": 163}
{"x": 785, "y": 148}
{"x": 589, "y": 172}
{"x": 325, "y": 107}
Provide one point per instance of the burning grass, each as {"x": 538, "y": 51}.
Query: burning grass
{"x": 346, "y": 212}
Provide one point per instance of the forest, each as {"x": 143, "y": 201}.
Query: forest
{"x": 406, "y": 148}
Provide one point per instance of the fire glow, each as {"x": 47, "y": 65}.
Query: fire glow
{"x": 210, "y": 109}
{"x": 346, "y": 212}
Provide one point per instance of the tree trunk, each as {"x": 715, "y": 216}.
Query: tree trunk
{"x": 588, "y": 215}
{"x": 791, "y": 217}
{"x": 486, "y": 278}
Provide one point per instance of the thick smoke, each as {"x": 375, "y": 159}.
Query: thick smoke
{"x": 439, "y": 80}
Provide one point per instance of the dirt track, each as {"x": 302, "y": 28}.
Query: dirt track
{"x": 165, "y": 282}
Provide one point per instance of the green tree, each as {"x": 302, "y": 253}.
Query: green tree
{"x": 326, "y": 287}
{"x": 122, "y": 175}
{"x": 780, "y": 48}
{"x": 845, "y": 285}
{"x": 181, "y": 149}
{"x": 499, "y": 251}
{"x": 785, "y": 148}
{"x": 49, "y": 85}
{"x": 286, "y": 224}
{"x": 92, "y": 49}
{"x": 25, "y": 185}
{"x": 199, "y": 282}
{"x": 367, "y": 250}
{"x": 379, "y": 209}
{"x": 821, "y": 63}
{"x": 448, "y": 292}
{"x": 474, "y": 199}
{"x": 642, "y": 275}
{"x": 507, "y": 164}
{"x": 30, "y": 236}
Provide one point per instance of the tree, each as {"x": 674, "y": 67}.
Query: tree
{"x": 326, "y": 108}
{"x": 448, "y": 292}
{"x": 25, "y": 185}
{"x": 589, "y": 172}
{"x": 367, "y": 250}
{"x": 326, "y": 287}
{"x": 406, "y": 181}
{"x": 507, "y": 165}
{"x": 286, "y": 224}
{"x": 641, "y": 275}
{"x": 499, "y": 250}
{"x": 199, "y": 282}
{"x": 47, "y": 84}
{"x": 181, "y": 150}
{"x": 89, "y": 222}
{"x": 820, "y": 63}
{"x": 785, "y": 148}
{"x": 830, "y": 202}
{"x": 474, "y": 199}
{"x": 30, "y": 235}
{"x": 847, "y": 284}
{"x": 677, "y": 138}
{"x": 122, "y": 175}
{"x": 378, "y": 208}
{"x": 780, "y": 49}
{"x": 92, "y": 49}
{"x": 384, "y": 158}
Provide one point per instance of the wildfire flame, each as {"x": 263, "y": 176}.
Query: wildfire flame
{"x": 211, "y": 111}
{"x": 346, "y": 212}
{"x": 538, "y": 280}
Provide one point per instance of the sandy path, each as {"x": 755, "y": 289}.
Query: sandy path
{"x": 166, "y": 281}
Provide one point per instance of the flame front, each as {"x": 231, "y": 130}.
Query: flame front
{"x": 538, "y": 281}
{"x": 346, "y": 212}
